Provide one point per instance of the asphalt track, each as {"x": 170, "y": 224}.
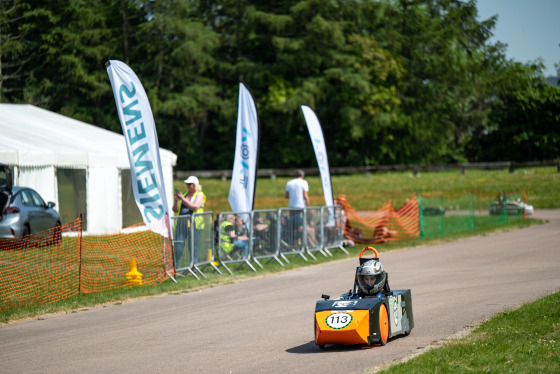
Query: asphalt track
{"x": 265, "y": 324}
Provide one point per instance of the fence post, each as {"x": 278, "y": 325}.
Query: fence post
{"x": 470, "y": 221}
{"x": 441, "y": 218}
{"x": 524, "y": 210}
{"x": 80, "y": 256}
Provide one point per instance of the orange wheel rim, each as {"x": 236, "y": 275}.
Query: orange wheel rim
{"x": 383, "y": 323}
{"x": 370, "y": 249}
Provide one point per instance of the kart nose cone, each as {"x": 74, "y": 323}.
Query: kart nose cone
{"x": 342, "y": 327}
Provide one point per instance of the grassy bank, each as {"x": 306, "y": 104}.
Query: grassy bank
{"x": 369, "y": 192}
{"x": 525, "y": 340}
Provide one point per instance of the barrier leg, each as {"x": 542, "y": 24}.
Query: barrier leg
{"x": 311, "y": 255}
{"x": 188, "y": 270}
{"x": 275, "y": 258}
{"x": 228, "y": 270}
{"x": 246, "y": 262}
{"x": 258, "y": 263}
{"x": 200, "y": 271}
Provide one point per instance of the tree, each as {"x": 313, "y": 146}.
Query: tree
{"x": 444, "y": 93}
{"x": 526, "y": 123}
{"x": 18, "y": 22}
{"x": 392, "y": 81}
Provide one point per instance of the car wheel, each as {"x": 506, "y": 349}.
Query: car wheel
{"x": 383, "y": 325}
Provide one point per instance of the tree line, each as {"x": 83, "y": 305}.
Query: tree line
{"x": 392, "y": 81}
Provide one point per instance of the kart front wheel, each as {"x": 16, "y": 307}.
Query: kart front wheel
{"x": 383, "y": 325}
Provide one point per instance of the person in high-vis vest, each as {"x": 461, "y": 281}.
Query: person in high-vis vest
{"x": 231, "y": 238}
{"x": 227, "y": 234}
{"x": 192, "y": 201}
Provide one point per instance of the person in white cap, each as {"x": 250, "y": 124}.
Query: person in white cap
{"x": 192, "y": 201}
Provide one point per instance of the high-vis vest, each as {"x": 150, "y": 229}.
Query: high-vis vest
{"x": 198, "y": 221}
{"x": 225, "y": 240}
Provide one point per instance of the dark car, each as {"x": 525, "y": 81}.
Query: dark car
{"x": 23, "y": 211}
{"x": 433, "y": 211}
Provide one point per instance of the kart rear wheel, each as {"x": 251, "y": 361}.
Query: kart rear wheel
{"x": 383, "y": 325}
{"x": 321, "y": 346}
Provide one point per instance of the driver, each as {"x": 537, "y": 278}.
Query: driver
{"x": 371, "y": 278}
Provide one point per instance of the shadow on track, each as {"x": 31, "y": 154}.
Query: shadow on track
{"x": 311, "y": 347}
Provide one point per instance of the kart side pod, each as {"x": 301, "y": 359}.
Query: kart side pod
{"x": 363, "y": 321}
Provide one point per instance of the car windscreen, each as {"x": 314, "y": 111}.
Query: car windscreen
{"x": 37, "y": 200}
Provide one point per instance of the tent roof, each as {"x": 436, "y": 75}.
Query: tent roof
{"x": 31, "y": 136}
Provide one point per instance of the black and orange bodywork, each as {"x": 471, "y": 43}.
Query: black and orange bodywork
{"x": 352, "y": 319}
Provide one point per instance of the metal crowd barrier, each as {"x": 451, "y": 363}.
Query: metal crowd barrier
{"x": 291, "y": 233}
{"x": 267, "y": 234}
{"x": 206, "y": 240}
{"x": 193, "y": 243}
{"x": 182, "y": 244}
{"x": 265, "y": 238}
{"x": 235, "y": 239}
{"x": 313, "y": 237}
{"x": 332, "y": 233}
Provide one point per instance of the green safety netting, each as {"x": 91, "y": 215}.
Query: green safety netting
{"x": 441, "y": 215}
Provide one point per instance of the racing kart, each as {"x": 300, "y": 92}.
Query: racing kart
{"x": 354, "y": 319}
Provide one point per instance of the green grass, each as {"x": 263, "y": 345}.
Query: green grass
{"x": 369, "y": 192}
{"x": 525, "y": 340}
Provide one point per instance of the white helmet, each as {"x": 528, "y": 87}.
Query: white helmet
{"x": 371, "y": 277}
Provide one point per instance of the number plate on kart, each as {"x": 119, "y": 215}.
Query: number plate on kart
{"x": 338, "y": 320}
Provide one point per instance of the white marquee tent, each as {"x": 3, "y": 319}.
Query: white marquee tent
{"x": 38, "y": 143}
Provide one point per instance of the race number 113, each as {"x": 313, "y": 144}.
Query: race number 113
{"x": 338, "y": 320}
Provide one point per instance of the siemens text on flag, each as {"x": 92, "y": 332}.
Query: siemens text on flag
{"x": 142, "y": 145}
{"x": 243, "y": 179}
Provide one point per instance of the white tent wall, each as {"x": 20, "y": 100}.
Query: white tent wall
{"x": 41, "y": 179}
{"x": 37, "y": 142}
{"x": 104, "y": 200}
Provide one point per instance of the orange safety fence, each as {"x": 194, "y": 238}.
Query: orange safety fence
{"x": 59, "y": 263}
{"x": 385, "y": 225}
{"x": 40, "y": 268}
{"x": 107, "y": 258}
